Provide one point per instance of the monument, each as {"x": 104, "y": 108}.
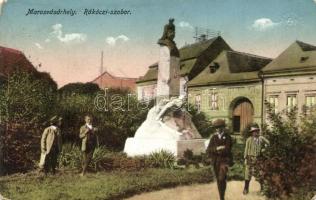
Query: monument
{"x": 168, "y": 125}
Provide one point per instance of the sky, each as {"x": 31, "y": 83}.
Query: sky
{"x": 69, "y": 47}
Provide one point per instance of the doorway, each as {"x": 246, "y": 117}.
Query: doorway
{"x": 242, "y": 114}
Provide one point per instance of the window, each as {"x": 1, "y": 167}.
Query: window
{"x": 198, "y": 102}
{"x": 213, "y": 101}
{"x": 291, "y": 102}
{"x": 310, "y": 102}
{"x": 274, "y": 102}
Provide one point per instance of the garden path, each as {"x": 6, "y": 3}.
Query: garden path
{"x": 203, "y": 192}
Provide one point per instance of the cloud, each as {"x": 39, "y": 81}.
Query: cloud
{"x": 2, "y": 2}
{"x": 263, "y": 24}
{"x": 315, "y": 1}
{"x": 112, "y": 40}
{"x": 68, "y": 37}
{"x": 184, "y": 24}
{"x": 38, "y": 45}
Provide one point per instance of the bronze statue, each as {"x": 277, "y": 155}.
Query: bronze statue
{"x": 168, "y": 35}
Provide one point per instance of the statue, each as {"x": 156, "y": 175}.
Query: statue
{"x": 168, "y": 121}
{"x": 168, "y": 35}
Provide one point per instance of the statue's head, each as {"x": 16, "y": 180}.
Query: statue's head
{"x": 171, "y": 20}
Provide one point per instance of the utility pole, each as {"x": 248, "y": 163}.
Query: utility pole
{"x": 101, "y": 70}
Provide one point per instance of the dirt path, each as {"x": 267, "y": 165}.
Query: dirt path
{"x": 203, "y": 192}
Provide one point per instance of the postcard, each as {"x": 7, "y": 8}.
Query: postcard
{"x": 143, "y": 99}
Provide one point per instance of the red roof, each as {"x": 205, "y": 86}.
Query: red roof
{"x": 107, "y": 80}
{"x": 12, "y": 60}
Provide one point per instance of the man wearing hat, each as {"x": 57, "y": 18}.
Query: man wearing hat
{"x": 254, "y": 146}
{"x": 219, "y": 149}
{"x": 51, "y": 145}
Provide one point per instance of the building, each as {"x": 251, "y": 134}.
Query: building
{"x": 12, "y": 60}
{"x": 230, "y": 88}
{"x": 193, "y": 59}
{"x": 107, "y": 80}
{"x": 290, "y": 79}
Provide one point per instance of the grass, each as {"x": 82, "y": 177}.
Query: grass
{"x": 102, "y": 185}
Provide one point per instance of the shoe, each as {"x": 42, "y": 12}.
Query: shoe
{"x": 245, "y": 192}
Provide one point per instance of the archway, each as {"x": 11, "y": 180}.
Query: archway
{"x": 242, "y": 114}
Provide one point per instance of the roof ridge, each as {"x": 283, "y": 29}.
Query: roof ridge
{"x": 11, "y": 50}
{"x": 248, "y": 54}
{"x": 199, "y": 42}
{"x": 303, "y": 45}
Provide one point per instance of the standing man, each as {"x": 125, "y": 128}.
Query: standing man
{"x": 51, "y": 145}
{"x": 219, "y": 149}
{"x": 254, "y": 146}
{"x": 89, "y": 142}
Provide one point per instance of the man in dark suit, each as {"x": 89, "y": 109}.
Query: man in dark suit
{"x": 219, "y": 150}
{"x": 89, "y": 142}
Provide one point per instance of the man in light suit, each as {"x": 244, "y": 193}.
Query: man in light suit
{"x": 89, "y": 142}
{"x": 51, "y": 144}
{"x": 255, "y": 145}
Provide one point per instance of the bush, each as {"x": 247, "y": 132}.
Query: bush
{"x": 102, "y": 159}
{"x": 161, "y": 159}
{"x": 196, "y": 160}
{"x": 26, "y": 102}
{"x": 201, "y": 122}
{"x": 289, "y": 163}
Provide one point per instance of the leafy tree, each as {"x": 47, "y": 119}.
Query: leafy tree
{"x": 289, "y": 163}
{"x": 26, "y": 104}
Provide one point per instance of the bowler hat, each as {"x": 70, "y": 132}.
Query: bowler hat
{"x": 219, "y": 123}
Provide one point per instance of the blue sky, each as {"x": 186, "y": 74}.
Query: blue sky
{"x": 69, "y": 46}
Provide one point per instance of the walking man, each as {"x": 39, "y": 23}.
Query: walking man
{"x": 254, "y": 146}
{"x": 89, "y": 142}
{"x": 51, "y": 145}
{"x": 219, "y": 149}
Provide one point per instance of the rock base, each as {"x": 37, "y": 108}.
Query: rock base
{"x": 144, "y": 146}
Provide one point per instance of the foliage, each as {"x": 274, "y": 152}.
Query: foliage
{"x": 102, "y": 159}
{"x": 116, "y": 113}
{"x": 26, "y": 104}
{"x": 104, "y": 185}
{"x": 189, "y": 159}
{"x": 161, "y": 159}
{"x": 78, "y": 88}
{"x": 201, "y": 122}
{"x": 289, "y": 162}
{"x": 70, "y": 157}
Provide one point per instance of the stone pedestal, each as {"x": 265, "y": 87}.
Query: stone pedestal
{"x": 168, "y": 82}
{"x": 145, "y": 146}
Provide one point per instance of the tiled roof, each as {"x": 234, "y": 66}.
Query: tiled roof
{"x": 232, "y": 67}
{"x": 298, "y": 56}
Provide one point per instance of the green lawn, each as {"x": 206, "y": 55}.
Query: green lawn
{"x": 102, "y": 185}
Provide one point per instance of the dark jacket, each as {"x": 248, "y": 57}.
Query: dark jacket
{"x": 88, "y": 137}
{"x": 224, "y": 155}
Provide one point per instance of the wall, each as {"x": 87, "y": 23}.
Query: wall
{"x": 227, "y": 95}
{"x": 281, "y": 87}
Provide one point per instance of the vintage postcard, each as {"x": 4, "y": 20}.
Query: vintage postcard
{"x": 157, "y": 100}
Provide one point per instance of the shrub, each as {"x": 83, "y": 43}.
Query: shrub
{"x": 161, "y": 159}
{"x": 190, "y": 159}
{"x": 70, "y": 157}
{"x": 201, "y": 122}
{"x": 102, "y": 159}
{"x": 289, "y": 162}
{"x": 26, "y": 102}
